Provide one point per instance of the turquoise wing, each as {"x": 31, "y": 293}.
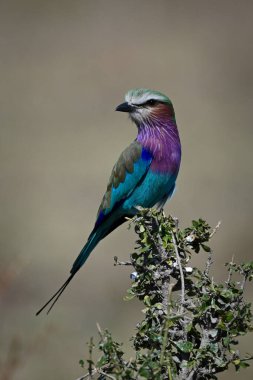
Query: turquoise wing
{"x": 127, "y": 174}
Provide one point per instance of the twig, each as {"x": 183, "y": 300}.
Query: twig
{"x": 117, "y": 262}
{"x": 100, "y": 331}
{"x": 165, "y": 293}
{"x": 169, "y": 373}
{"x": 90, "y": 357}
{"x": 230, "y": 271}
{"x": 191, "y": 374}
{"x": 181, "y": 272}
{"x": 105, "y": 374}
{"x": 209, "y": 262}
{"x": 215, "y": 229}
{"x": 159, "y": 246}
{"x": 243, "y": 283}
{"x": 94, "y": 371}
{"x": 164, "y": 255}
{"x": 87, "y": 375}
{"x": 166, "y": 328}
{"x": 247, "y": 359}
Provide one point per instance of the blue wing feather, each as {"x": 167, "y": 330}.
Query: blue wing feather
{"x": 116, "y": 194}
{"x": 131, "y": 180}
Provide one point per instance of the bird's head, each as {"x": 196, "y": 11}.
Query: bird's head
{"x": 145, "y": 105}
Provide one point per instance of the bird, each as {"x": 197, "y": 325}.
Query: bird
{"x": 144, "y": 175}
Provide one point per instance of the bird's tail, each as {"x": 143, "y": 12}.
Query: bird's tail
{"x": 93, "y": 240}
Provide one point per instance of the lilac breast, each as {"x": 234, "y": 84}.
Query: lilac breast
{"x": 163, "y": 142}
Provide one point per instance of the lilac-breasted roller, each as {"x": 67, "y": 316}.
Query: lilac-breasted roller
{"x": 145, "y": 173}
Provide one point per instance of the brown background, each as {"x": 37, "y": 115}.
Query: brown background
{"x": 65, "y": 65}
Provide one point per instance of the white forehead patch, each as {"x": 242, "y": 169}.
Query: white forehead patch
{"x": 140, "y": 97}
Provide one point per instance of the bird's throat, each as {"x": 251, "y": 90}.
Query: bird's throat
{"x": 160, "y": 137}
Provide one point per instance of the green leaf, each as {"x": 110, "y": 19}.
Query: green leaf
{"x": 206, "y": 248}
{"x": 158, "y": 305}
{"x": 228, "y": 316}
{"x": 213, "y": 333}
{"x": 142, "y": 229}
{"x": 102, "y": 361}
{"x": 184, "y": 346}
{"x": 147, "y": 301}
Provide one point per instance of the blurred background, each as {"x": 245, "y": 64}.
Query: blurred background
{"x": 65, "y": 66}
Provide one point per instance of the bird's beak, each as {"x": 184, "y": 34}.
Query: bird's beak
{"x": 125, "y": 107}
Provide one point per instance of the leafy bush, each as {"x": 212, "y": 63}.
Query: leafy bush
{"x": 192, "y": 324}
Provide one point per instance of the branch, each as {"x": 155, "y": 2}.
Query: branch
{"x": 159, "y": 246}
{"x": 209, "y": 262}
{"x": 117, "y": 262}
{"x": 166, "y": 329}
{"x": 230, "y": 271}
{"x": 96, "y": 370}
{"x": 215, "y": 229}
{"x": 181, "y": 272}
{"x": 87, "y": 375}
{"x": 106, "y": 374}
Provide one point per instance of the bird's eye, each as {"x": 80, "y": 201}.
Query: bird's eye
{"x": 151, "y": 102}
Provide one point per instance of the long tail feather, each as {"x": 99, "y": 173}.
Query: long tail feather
{"x": 56, "y": 295}
{"x": 82, "y": 257}
{"x": 85, "y": 252}
{"x": 96, "y": 235}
